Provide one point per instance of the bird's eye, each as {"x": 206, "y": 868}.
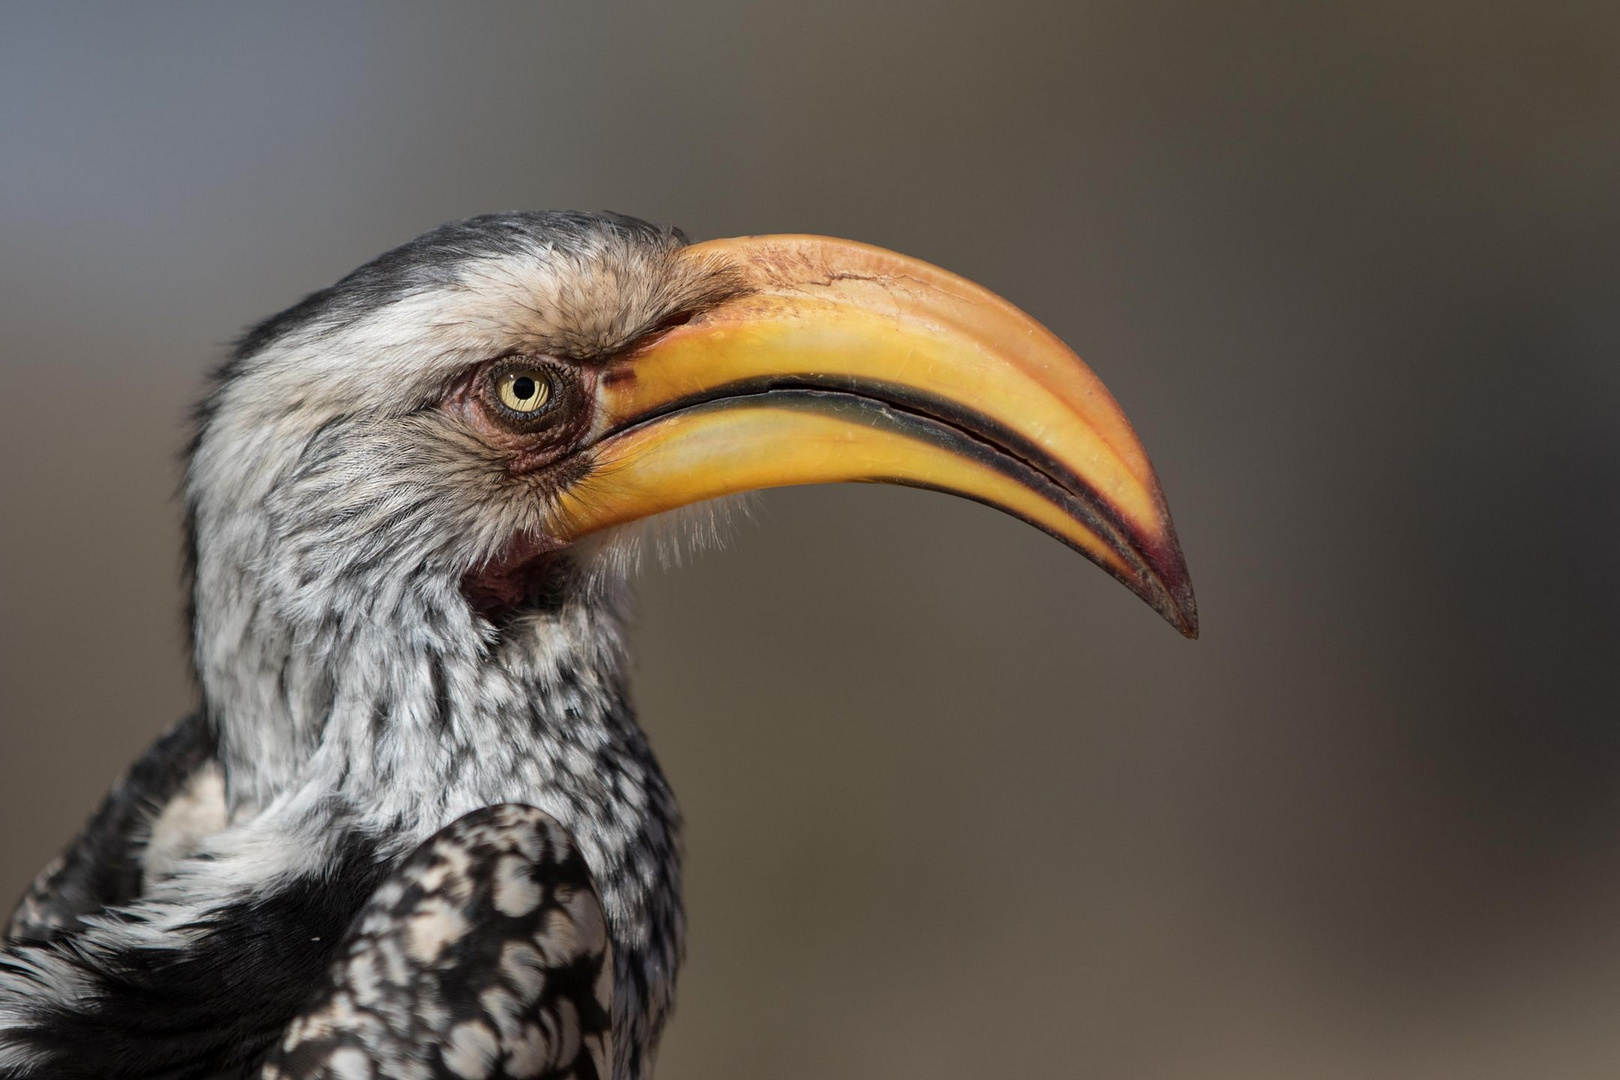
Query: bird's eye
{"x": 523, "y": 390}
{"x": 536, "y": 398}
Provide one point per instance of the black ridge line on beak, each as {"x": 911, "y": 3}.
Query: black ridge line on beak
{"x": 1004, "y": 442}
{"x": 910, "y": 416}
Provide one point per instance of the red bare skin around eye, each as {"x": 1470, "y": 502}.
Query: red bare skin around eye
{"x": 539, "y": 446}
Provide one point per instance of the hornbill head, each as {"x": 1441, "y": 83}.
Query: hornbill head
{"x": 493, "y": 398}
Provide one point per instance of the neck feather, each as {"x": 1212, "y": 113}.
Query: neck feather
{"x": 398, "y": 722}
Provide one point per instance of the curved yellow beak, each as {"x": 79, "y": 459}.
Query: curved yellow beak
{"x": 837, "y": 361}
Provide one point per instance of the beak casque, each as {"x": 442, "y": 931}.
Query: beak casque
{"x": 836, "y": 361}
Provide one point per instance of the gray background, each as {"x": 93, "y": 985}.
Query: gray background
{"x": 958, "y": 805}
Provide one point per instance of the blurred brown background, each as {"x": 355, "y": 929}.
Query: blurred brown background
{"x": 958, "y": 805}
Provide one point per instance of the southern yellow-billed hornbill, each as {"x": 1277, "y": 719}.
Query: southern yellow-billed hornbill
{"x": 414, "y": 830}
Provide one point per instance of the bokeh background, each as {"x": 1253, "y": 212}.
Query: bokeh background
{"x": 957, "y": 804}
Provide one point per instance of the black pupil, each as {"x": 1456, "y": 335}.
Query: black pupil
{"x": 523, "y": 388}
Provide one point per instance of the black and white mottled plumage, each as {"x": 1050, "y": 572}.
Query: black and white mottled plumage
{"x": 498, "y": 909}
{"x": 389, "y": 792}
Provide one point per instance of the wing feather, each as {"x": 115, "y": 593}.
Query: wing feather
{"x": 486, "y": 955}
